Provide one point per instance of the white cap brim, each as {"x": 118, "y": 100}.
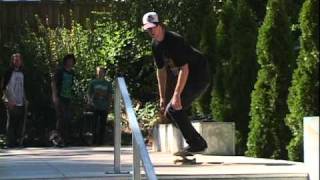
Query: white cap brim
{"x": 149, "y": 25}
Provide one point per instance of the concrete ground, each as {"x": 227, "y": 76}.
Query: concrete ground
{"x": 94, "y": 162}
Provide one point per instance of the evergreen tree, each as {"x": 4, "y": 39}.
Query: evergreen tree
{"x": 243, "y": 70}
{"x": 259, "y": 7}
{"x": 219, "y": 102}
{"x": 303, "y": 99}
{"x": 268, "y": 133}
{"x": 207, "y": 47}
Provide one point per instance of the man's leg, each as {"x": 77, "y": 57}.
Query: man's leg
{"x": 67, "y": 119}
{"x": 180, "y": 117}
{"x": 20, "y": 110}
{"x": 102, "y": 128}
{"x": 59, "y": 113}
{"x": 61, "y": 121}
{"x": 11, "y": 120}
{"x": 95, "y": 126}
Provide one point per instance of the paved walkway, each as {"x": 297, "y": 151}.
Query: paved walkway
{"x": 93, "y": 162}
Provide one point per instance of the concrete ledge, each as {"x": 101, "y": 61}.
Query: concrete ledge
{"x": 311, "y": 146}
{"x": 220, "y": 137}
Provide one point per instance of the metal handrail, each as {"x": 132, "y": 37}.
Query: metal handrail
{"x": 139, "y": 149}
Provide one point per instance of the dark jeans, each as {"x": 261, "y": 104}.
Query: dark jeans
{"x": 15, "y": 118}
{"x": 180, "y": 117}
{"x": 3, "y": 118}
{"x": 64, "y": 117}
{"x": 99, "y": 126}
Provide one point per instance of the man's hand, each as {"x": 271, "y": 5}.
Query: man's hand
{"x": 176, "y": 101}
{"x": 162, "y": 105}
{"x": 11, "y": 104}
{"x": 55, "y": 99}
{"x": 26, "y": 102}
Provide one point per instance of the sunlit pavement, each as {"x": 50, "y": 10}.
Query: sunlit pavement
{"x": 94, "y": 162}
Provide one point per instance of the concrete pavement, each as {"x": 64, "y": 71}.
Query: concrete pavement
{"x": 94, "y": 162}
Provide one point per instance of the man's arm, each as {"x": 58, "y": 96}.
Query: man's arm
{"x": 90, "y": 93}
{"x": 181, "y": 82}
{"x": 162, "y": 78}
{"x": 1, "y": 85}
{"x": 8, "y": 95}
{"x": 54, "y": 89}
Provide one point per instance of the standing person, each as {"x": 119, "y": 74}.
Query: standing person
{"x": 2, "y": 70}
{"x": 100, "y": 96}
{"x": 2, "y": 107}
{"x": 180, "y": 64}
{"x": 15, "y": 99}
{"x": 62, "y": 93}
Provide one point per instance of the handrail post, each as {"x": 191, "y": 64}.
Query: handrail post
{"x": 136, "y": 160}
{"x": 117, "y": 130}
{"x": 140, "y": 152}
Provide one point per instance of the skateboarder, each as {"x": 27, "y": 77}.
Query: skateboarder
{"x": 180, "y": 64}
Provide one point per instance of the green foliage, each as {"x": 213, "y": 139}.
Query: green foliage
{"x": 105, "y": 42}
{"x": 236, "y": 67}
{"x": 242, "y": 70}
{"x": 115, "y": 40}
{"x": 219, "y": 104}
{"x": 207, "y": 47}
{"x": 268, "y": 133}
{"x": 190, "y": 18}
{"x": 148, "y": 114}
{"x": 259, "y": 8}
{"x": 183, "y": 16}
{"x": 303, "y": 99}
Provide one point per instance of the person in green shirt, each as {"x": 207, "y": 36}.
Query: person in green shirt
{"x": 99, "y": 97}
{"x": 62, "y": 94}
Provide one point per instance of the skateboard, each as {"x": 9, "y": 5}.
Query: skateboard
{"x": 183, "y": 158}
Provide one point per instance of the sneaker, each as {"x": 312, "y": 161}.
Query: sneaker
{"x": 195, "y": 149}
{"x": 183, "y": 153}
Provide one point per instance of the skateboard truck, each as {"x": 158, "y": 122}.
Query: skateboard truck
{"x": 184, "y": 158}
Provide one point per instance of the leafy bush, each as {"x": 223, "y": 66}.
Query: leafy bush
{"x": 268, "y": 133}
{"x": 242, "y": 71}
{"x": 220, "y": 105}
{"x": 303, "y": 99}
{"x": 207, "y": 47}
{"x": 148, "y": 114}
{"x": 105, "y": 42}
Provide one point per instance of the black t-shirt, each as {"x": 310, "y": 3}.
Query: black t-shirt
{"x": 173, "y": 53}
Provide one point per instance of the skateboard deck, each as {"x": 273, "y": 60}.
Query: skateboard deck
{"x": 183, "y": 158}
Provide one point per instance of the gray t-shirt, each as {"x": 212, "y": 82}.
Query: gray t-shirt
{"x": 15, "y": 88}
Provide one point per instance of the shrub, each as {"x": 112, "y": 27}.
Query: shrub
{"x": 303, "y": 99}
{"x": 268, "y": 133}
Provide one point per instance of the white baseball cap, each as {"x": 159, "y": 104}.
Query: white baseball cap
{"x": 150, "y": 20}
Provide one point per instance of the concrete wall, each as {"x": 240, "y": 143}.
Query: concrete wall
{"x": 220, "y": 137}
{"x": 311, "y": 146}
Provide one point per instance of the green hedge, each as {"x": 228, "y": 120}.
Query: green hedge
{"x": 303, "y": 99}
{"x": 268, "y": 133}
